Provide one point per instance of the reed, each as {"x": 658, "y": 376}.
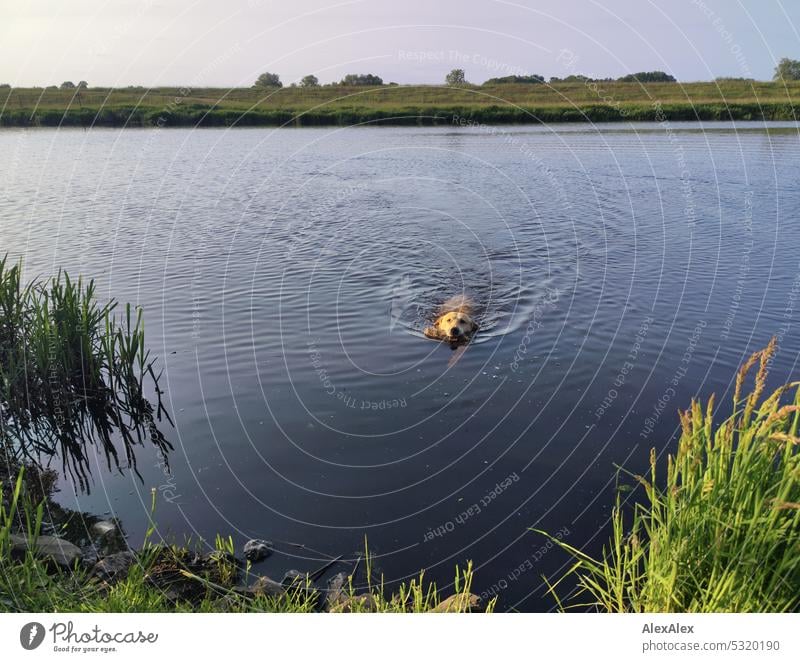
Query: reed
{"x": 721, "y": 533}
{"x": 73, "y": 374}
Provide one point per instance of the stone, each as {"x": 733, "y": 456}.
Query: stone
{"x": 57, "y": 550}
{"x": 89, "y": 555}
{"x": 114, "y": 567}
{"x": 102, "y": 528}
{"x": 257, "y": 550}
{"x": 336, "y": 594}
{"x": 294, "y": 577}
{"x": 457, "y": 604}
{"x": 108, "y": 538}
{"x": 357, "y": 603}
{"x": 266, "y": 586}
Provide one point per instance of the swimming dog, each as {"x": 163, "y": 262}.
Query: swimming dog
{"x": 454, "y": 323}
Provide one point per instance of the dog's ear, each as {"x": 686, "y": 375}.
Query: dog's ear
{"x": 431, "y": 332}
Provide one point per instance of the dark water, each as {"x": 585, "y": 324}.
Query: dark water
{"x": 286, "y": 276}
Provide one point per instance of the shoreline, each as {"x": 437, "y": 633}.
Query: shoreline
{"x": 456, "y": 117}
{"x": 82, "y": 562}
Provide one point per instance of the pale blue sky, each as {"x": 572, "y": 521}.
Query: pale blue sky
{"x": 227, "y": 43}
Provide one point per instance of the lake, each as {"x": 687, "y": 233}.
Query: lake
{"x": 286, "y": 276}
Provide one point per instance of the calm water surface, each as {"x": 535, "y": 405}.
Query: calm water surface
{"x": 286, "y": 276}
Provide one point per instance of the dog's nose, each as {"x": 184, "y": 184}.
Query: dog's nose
{"x": 455, "y": 331}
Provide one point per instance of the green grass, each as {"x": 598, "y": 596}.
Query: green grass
{"x": 30, "y": 584}
{"x": 406, "y": 104}
{"x": 722, "y": 532}
{"x": 72, "y": 374}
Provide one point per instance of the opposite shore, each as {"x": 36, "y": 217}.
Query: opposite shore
{"x": 592, "y": 101}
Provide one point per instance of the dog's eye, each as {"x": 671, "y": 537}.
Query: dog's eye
{"x": 462, "y": 320}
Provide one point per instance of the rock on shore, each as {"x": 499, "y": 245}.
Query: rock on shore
{"x": 257, "y": 550}
{"x": 57, "y": 550}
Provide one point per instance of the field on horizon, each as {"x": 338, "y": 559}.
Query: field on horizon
{"x": 600, "y": 101}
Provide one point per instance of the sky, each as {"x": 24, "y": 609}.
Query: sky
{"x": 227, "y": 43}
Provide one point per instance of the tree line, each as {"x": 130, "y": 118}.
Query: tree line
{"x": 66, "y": 85}
{"x": 786, "y": 70}
{"x": 458, "y": 77}
{"x": 268, "y": 79}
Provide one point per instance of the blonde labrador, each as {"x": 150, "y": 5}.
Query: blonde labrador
{"x": 455, "y": 323}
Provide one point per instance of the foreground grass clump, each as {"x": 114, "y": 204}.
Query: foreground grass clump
{"x": 72, "y": 374}
{"x": 178, "y": 578}
{"x": 723, "y": 533}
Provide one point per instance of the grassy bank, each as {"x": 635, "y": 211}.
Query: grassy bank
{"x": 413, "y": 105}
{"x": 720, "y": 531}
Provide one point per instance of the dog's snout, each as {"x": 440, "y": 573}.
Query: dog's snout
{"x": 454, "y": 323}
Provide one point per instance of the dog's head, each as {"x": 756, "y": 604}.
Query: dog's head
{"x": 453, "y": 326}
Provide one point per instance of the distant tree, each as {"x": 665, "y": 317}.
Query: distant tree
{"x": 361, "y": 79}
{"x": 268, "y": 80}
{"x": 787, "y": 70}
{"x": 309, "y": 81}
{"x": 579, "y": 78}
{"x": 455, "y": 77}
{"x": 4, "y": 86}
{"x": 734, "y": 79}
{"x": 505, "y": 80}
{"x": 83, "y": 85}
{"x": 648, "y": 77}
{"x": 67, "y": 85}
